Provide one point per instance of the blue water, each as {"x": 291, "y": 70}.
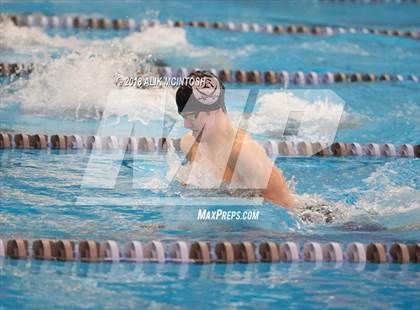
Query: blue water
{"x": 126, "y": 286}
{"x": 42, "y": 193}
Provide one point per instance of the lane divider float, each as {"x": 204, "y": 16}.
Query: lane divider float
{"x": 200, "y": 252}
{"x": 150, "y": 144}
{"x": 251, "y": 76}
{"x": 85, "y": 22}
{"x": 17, "y": 69}
{"x": 288, "y": 77}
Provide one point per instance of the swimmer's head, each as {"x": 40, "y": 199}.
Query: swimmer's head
{"x": 200, "y": 100}
{"x": 201, "y": 91}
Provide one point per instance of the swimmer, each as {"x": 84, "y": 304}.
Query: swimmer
{"x": 229, "y": 153}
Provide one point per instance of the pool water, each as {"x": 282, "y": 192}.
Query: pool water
{"x": 43, "y": 194}
{"x": 125, "y": 285}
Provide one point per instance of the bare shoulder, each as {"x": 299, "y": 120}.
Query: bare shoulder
{"x": 253, "y": 148}
{"x": 251, "y": 156}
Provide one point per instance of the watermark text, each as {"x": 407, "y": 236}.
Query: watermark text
{"x": 222, "y": 215}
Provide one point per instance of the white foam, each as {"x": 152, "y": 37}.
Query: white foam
{"x": 391, "y": 199}
{"x": 321, "y": 116}
{"x": 144, "y": 105}
{"x": 406, "y": 112}
{"x": 167, "y": 41}
{"x": 77, "y": 84}
{"x": 157, "y": 39}
{"x": 344, "y": 48}
{"x": 314, "y": 210}
{"x": 73, "y": 86}
{"x": 200, "y": 175}
{"x": 33, "y": 40}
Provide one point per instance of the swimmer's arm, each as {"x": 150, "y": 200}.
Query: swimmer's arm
{"x": 254, "y": 164}
{"x": 188, "y": 147}
{"x": 277, "y": 190}
{"x": 186, "y": 142}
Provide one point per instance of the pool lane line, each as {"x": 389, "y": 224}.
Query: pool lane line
{"x": 15, "y": 69}
{"x": 283, "y": 77}
{"x": 162, "y": 144}
{"x": 85, "y": 22}
{"x": 201, "y": 252}
{"x": 287, "y": 77}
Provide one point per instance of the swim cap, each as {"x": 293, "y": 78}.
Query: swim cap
{"x": 201, "y": 91}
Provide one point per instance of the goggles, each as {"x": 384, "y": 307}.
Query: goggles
{"x": 192, "y": 116}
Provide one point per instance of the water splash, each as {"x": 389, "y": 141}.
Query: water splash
{"x": 75, "y": 83}
{"x": 321, "y": 114}
{"x": 392, "y": 197}
{"x": 389, "y": 200}
{"x": 344, "y": 48}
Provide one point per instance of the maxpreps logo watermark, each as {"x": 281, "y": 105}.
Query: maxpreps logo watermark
{"x": 277, "y": 115}
{"x": 223, "y": 215}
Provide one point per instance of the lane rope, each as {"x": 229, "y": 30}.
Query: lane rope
{"x": 200, "y": 252}
{"x": 150, "y": 145}
{"x": 84, "y": 22}
{"x": 253, "y": 76}
{"x": 288, "y": 77}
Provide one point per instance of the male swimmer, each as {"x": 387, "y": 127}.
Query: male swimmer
{"x": 229, "y": 153}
